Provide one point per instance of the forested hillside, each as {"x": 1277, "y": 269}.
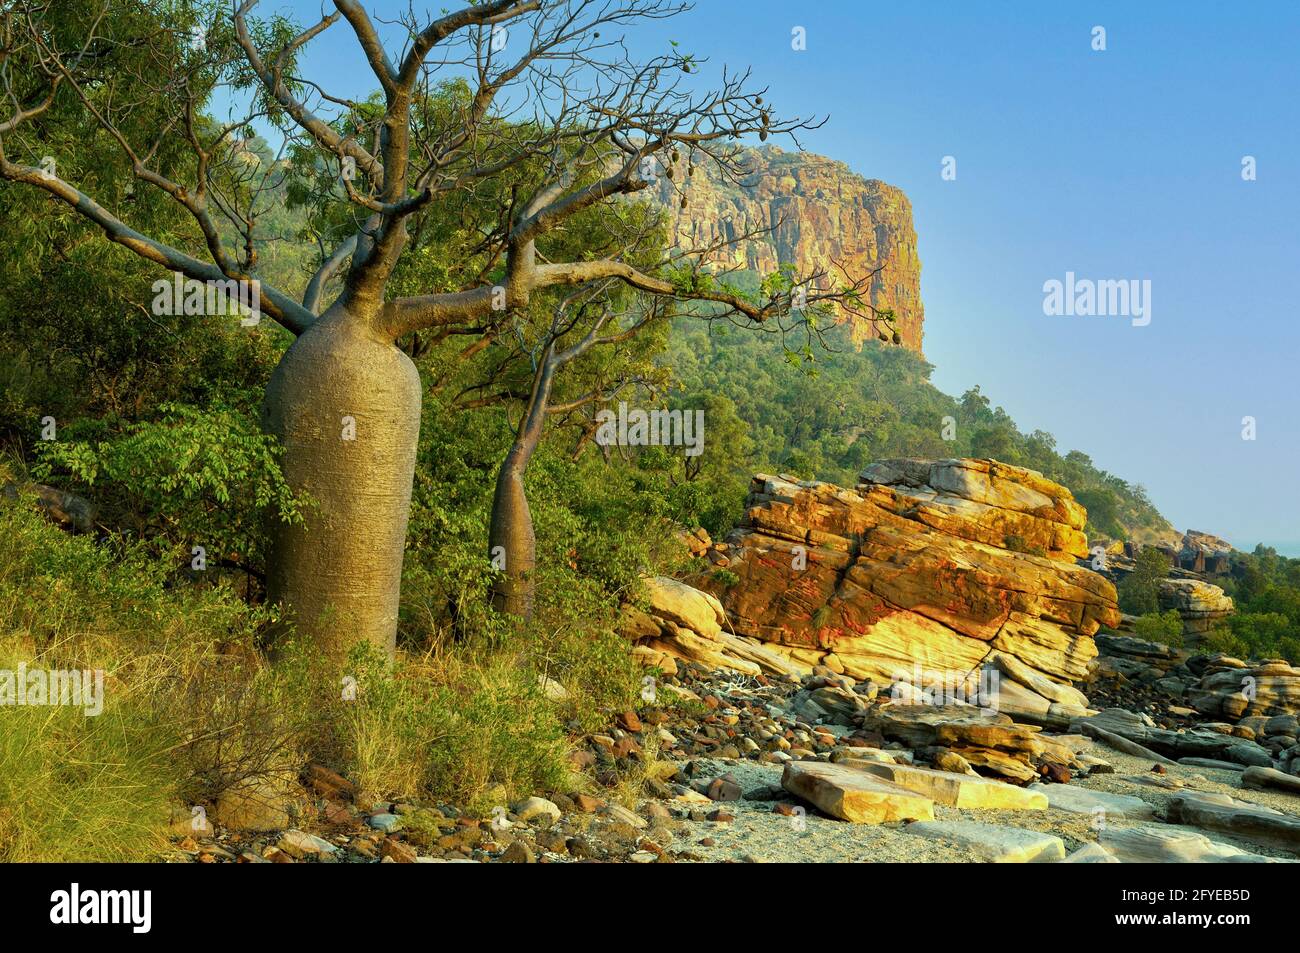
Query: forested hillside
{"x": 828, "y": 411}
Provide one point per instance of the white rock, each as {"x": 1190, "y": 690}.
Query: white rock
{"x": 299, "y": 844}
{"x": 618, "y": 812}
{"x": 1091, "y": 854}
{"x": 994, "y": 843}
{"x": 1150, "y": 844}
{"x": 1219, "y": 812}
{"x": 1081, "y": 800}
{"x": 538, "y": 807}
{"x": 552, "y": 689}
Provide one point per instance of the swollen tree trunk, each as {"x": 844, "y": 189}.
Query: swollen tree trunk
{"x": 512, "y": 543}
{"x": 346, "y": 405}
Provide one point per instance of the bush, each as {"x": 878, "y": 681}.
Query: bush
{"x": 1222, "y": 640}
{"x": 205, "y": 477}
{"x": 79, "y": 788}
{"x": 1163, "y": 627}
{"x": 1261, "y": 635}
{"x": 440, "y": 728}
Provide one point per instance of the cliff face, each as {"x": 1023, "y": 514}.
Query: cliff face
{"x": 821, "y": 212}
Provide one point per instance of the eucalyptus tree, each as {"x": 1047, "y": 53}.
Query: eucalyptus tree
{"x": 551, "y": 82}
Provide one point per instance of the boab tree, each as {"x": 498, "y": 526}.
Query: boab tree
{"x": 344, "y": 400}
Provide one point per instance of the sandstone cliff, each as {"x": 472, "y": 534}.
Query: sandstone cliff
{"x": 820, "y": 211}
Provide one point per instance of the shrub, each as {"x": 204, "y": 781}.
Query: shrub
{"x": 725, "y": 578}
{"x": 195, "y": 476}
{"x": 191, "y": 708}
{"x": 1261, "y": 635}
{"x": 80, "y": 788}
{"x": 1163, "y": 627}
{"x": 1222, "y": 640}
{"x": 1139, "y": 591}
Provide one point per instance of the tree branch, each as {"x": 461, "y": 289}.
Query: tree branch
{"x": 327, "y": 270}
{"x": 279, "y": 306}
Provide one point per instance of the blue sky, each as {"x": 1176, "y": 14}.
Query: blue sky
{"x": 1121, "y": 164}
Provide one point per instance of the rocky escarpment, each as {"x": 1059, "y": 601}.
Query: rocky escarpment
{"x": 927, "y": 569}
{"x": 819, "y": 212}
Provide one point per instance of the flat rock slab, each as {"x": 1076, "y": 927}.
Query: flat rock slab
{"x": 1152, "y": 844}
{"x": 1270, "y": 778}
{"x": 1120, "y": 742}
{"x": 956, "y": 790}
{"x": 1079, "y": 800}
{"x": 994, "y": 843}
{"x": 1091, "y": 853}
{"x": 1213, "y": 763}
{"x": 853, "y": 795}
{"x": 1218, "y": 812}
{"x": 1249, "y": 753}
{"x": 954, "y": 726}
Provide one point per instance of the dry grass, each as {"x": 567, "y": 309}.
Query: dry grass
{"x": 191, "y": 708}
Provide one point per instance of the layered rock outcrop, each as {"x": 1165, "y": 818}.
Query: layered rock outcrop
{"x": 819, "y": 212}
{"x": 947, "y": 566}
{"x": 1252, "y": 707}
{"x": 688, "y": 624}
{"x": 1233, "y": 689}
{"x": 1201, "y": 605}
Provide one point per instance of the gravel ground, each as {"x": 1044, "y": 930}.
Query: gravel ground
{"x": 758, "y": 835}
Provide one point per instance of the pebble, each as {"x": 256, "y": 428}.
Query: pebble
{"x": 536, "y": 807}
{"x": 300, "y": 844}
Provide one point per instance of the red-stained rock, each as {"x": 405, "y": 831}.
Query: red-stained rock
{"x": 945, "y": 565}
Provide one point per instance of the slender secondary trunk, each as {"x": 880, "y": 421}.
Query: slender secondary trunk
{"x": 510, "y": 534}
{"x": 346, "y": 405}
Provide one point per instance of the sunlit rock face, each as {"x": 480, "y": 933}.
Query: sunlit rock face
{"x": 949, "y": 565}
{"x": 820, "y": 213}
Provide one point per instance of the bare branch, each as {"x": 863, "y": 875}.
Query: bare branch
{"x": 273, "y": 82}
{"x": 370, "y": 45}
